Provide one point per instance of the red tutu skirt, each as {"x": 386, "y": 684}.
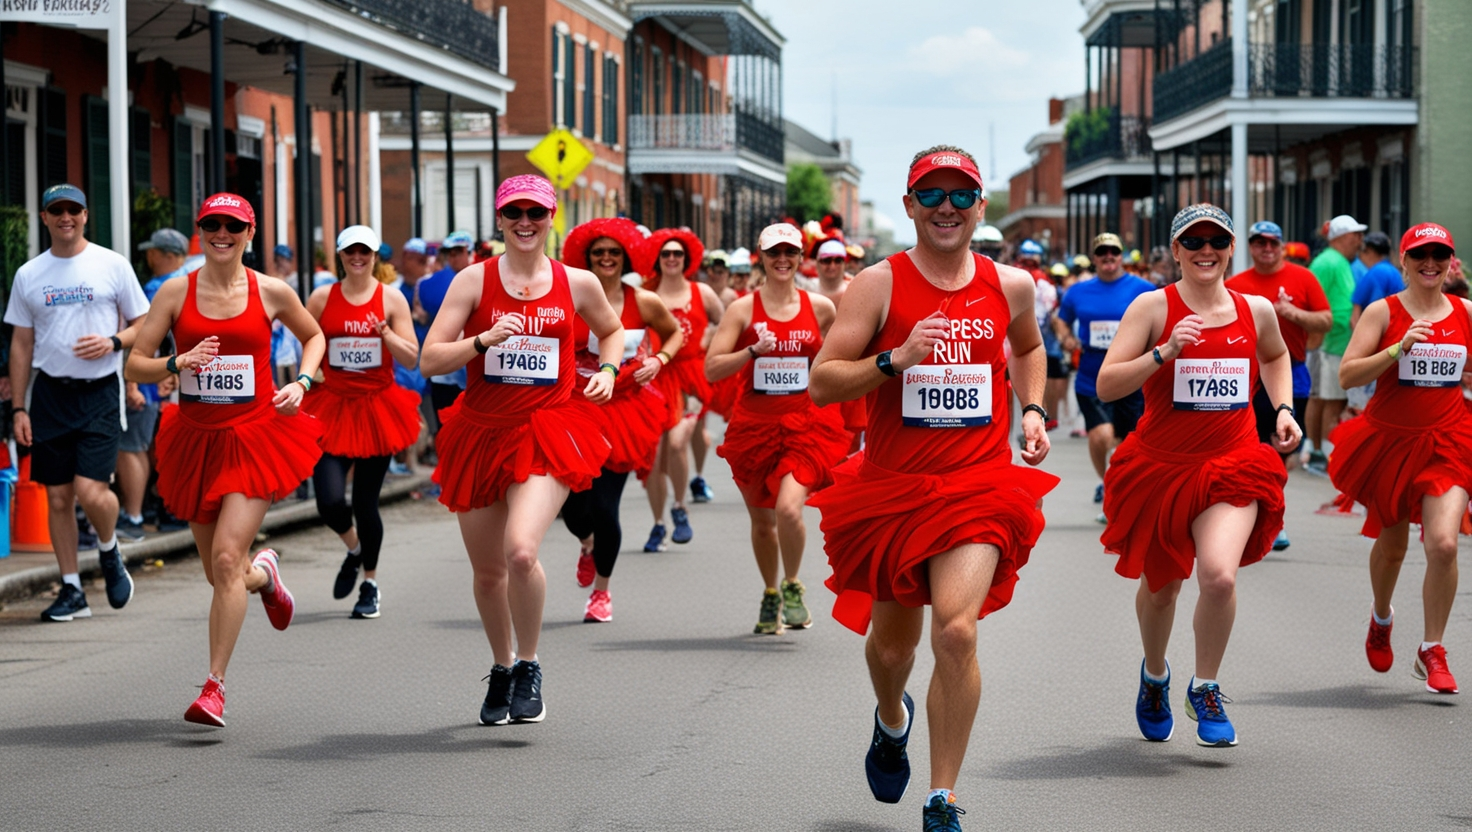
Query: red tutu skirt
{"x": 1152, "y": 497}
{"x": 381, "y": 423}
{"x": 679, "y": 379}
{"x": 264, "y": 458}
{"x": 880, "y": 527}
{"x": 723, "y": 396}
{"x": 481, "y": 455}
{"x": 633, "y": 423}
{"x": 1390, "y": 468}
{"x": 763, "y": 449}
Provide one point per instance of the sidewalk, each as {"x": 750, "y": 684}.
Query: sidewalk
{"x": 25, "y": 573}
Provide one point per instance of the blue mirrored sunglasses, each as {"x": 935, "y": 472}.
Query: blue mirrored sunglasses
{"x": 962, "y": 198}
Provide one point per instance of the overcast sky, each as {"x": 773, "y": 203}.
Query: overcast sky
{"x": 915, "y": 73}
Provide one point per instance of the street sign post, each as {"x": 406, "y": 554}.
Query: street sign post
{"x": 562, "y": 157}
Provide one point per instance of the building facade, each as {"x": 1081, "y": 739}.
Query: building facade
{"x": 1036, "y": 200}
{"x": 835, "y": 158}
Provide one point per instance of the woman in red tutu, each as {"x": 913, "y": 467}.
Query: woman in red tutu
{"x": 636, "y": 416}
{"x": 520, "y": 437}
{"x": 235, "y": 443}
{"x": 1406, "y": 457}
{"x": 780, "y": 445}
{"x": 672, "y": 257}
{"x": 1193, "y": 486}
{"x": 366, "y": 418}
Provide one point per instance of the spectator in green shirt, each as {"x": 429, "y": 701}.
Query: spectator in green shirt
{"x": 1326, "y": 398}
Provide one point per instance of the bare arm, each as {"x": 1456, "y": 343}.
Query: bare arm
{"x": 446, "y": 348}
{"x": 398, "y": 331}
{"x": 1029, "y": 367}
{"x": 671, "y": 337}
{"x": 22, "y": 347}
{"x": 1129, "y": 361}
{"x": 1362, "y": 362}
{"x": 591, "y": 303}
{"x": 1276, "y": 371}
{"x": 142, "y": 366}
{"x": 721, "y": 359}
{"x": 825, "y": 310}
{"x": 842, "y": 372}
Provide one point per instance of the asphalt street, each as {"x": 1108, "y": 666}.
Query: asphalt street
{"x": 675, "y": 717}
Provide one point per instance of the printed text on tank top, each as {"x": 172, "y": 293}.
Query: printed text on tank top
{"x": 784, "y": 370}
{"x": 228, "y": 378}
{"x": 359, "y": 346}
{"x": 1208, "y": 381}
{"x": 529, "y": 358}
{"x": 1440, "y": 359}
{"x": 950, "y": 388}
{"x": 627, "y": 309}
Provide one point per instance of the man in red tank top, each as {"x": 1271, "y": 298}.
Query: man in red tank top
{"x": 941, "y": 306}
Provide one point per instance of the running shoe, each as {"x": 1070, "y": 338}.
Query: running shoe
{"x": 169, "y": 523}
{"x": 1317, "y": 464}
{"x": 70, "y": 603}
{"x": 656, "y": 539}
{"x": 700, "y": 491}
{"x": 1431, "y": 668}
{"x": 1152, "y": 709}
{"x": 682, "y": 533}
{"x": 209, "y": 708}
{"x": 399, "y": 469}
{"x": 940, "y": 814}
{"x": 586, "y": 569}
{"x": 1099, "y": 493}
{"x": 769, "y": 620}
{"x": 1101, "y": 519}
{"x": 1213, "y": 729}
{"x": 368, "y": 601}
{"x": 599, "y": 609}
{"x": 128, "y": 531}
{"x": 1281, "y": 541}
{"x": 275, "y": 597}
{"x": 887, "y": 764}
{"x": 1051, "y": 424}
{"x": 794, "y": 612}
{"x": 116, "y": 578}
{"x": 496, "y": 710}
{"x": 526, "y": 693}
{"x": 1377, "y": 645}
{"x": 347, "y": 576}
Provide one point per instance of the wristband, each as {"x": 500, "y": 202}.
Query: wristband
{"x": 305, "y": 381}
{"x": 172, "y": 365}
{"x": 664, "y": 357}
{"x": 608, "y": 368}
{"x": 884, "y": 361}
{"x": 478, "y": 348}
{"x": 117, "y": 343}
{"x": 15, "y": 410}
{"x": 1036, "y": 408}
{"x": 1282, "y": 407}
{"x": 1155, "y": 353}
{"x": 1395, "y": 351}
{"x": 751, "y": 350}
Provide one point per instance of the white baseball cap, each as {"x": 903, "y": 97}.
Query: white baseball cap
{"x": 1345, "y": 224}
{"x": 355, "y": 234}
{"x": 832, "y": 248}
{"x": 779, "y": 233}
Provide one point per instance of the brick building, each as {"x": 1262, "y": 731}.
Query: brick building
{"x": 1035, "y": 208}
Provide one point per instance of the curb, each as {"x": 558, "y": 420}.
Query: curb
{"x": 291, "y": 512}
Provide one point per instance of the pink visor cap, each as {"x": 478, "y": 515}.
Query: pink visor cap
{"x": 527, "y": 187}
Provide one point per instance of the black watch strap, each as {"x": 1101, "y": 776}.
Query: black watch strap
{"x": 117, "y": 343}
{"x": 1036, "y": 408}
{"x": 885, "y": 364}
{"x": 1287, "y": 407}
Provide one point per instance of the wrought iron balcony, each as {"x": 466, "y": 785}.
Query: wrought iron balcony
{"x": 1195, "y": 83}
{"x": 1126, "y": 137}
{"x": 452, "y": 25}
{"x": 721, "y": 132}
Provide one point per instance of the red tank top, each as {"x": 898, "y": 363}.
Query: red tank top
{"x": 1200, "y": 402}
{"x": 950, "y": 411}
{"x": 357, "y": 362}
{"x": 693, "y": 322}
{"x": 1423, "y": 388}
{"x": 528, "y": 371}
{"x": 236, "y": 386}
{"x": 634, "y": 332}
{"x": 777, "y": 382}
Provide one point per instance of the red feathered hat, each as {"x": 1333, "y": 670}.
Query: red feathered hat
{"x": 620, "y": 230}
{"x": 694, "y": 250}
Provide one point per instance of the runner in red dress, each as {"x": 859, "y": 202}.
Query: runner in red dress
{"x": 637, "y": 415}
{"x": 780, "y": 445}
{"x": 235, "y": 443}
{"x": 832, "y": 283}
{"x": 366, "y": 417}
{"x": 1406, "y": 457}
{"x": 1193, "y": 486}
{"x": 932, "y": 511}
{"x": 520, "y": 437}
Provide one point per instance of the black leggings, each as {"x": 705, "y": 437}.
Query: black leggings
{"x": 331, "y": 479}
{"x": 595, "y": 512}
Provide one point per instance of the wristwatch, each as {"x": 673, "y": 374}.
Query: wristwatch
{"x": 883, "y": 362}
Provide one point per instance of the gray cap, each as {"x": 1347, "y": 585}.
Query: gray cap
{"x": 63, "y": 192}
{"x": 167, "y": 239}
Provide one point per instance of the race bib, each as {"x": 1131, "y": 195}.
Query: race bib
{"x": 633, "y": 338}
{"x": 355, "y": 353}
{"x": 1210, "y": 384}
{"x": 1101, "y": 334}
{"x": 774, "y": 376}
{"x": 523, "y": 359}
{"x": 228, "y": 379}
{"x": 947, "y": 396}
{"x": 1433, "y": 365}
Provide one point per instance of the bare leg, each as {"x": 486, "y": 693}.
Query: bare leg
{"x": 133, "y": 472}
{"x": 700, "y": 444}
{"x": 1442, "y": 518}
{"x": 1332, "y": 409}
{"x": 792, "y": 532}
{"x": 1386, "y": 557}
{"x": 61, "y": 519}
{"x": 224, "y": 549}
{"x": 532, "y": 506}
{"x": 1220, "y": 533}
{"x": 764, "y": 543}
{"x": 1314, "y": 416}
{"x": 1101, "y": 442}
{"x": 959, "y": 580}
{"x": 1156, "y": 612}
{"x": 655, "y": 486}
{"x": 890, "y": 653}
{"x": 677, "y": 460}
{"x": 100, "y": 505}
{"x": 484, "y": 533}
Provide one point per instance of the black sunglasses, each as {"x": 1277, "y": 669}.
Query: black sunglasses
{"x": 1220, "y": 242}
{"x": 1106, "y": 251}
{"x": 672, "y": 252}
{"x": 962, "y": 198}
{"x": 1435, "y": 252}
{"x": 605, "y": 252}
{"x": 210, "y": 225}
{"x": 536, "y": 213}
{"x": 70, "y": 208}
{"x": 833, "y": 259}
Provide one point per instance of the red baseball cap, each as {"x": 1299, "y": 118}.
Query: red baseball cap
{"x": 1425, "y": 234}
{"x": 943, "y": 160}
{"x": 227, "y": 205}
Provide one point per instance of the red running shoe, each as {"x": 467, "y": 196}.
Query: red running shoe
{"x": 599, "y": 609}
{"x": 1377, "y": 645}
{"x": 209, "y": 708}
{"x": 586, "y": 570}
{"x": 1431, "y": 667}
{"x": 277, "y": 600}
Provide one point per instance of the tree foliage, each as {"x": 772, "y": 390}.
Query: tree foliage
{"x": 809, "y": 195}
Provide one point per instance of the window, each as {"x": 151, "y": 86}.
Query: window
{"x": 677, "y": 89}
{"x": 636, "y": 79}
{"x": 570, "y": 91}
{"x": 697, "y": 84}
{"x": 610, "y": 100}
{"x": 658, "y": 108}
{"x": 558, "y": 79}
{"x": 590, "y": 126}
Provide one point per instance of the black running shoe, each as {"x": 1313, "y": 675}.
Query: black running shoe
{"x": 70, "y": 603}
{"x": 888, "y": 763}
{"x": 367, "y": 606}
{"x": 526, "y": 694}
{"x": 128, "y": 531}
{"x": 115, "y": 575}
{"x": 496, "y": 710}
{"x": 347, "y": 577}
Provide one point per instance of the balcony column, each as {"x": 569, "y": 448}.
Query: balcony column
{"x": 449, "y": 165}
{"x": 217, "y": 102}
{"x": 1240, "y": 260}
{"x": 1239, "y": 48}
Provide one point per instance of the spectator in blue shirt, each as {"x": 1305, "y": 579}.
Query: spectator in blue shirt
{"x": 1381, "y": 278}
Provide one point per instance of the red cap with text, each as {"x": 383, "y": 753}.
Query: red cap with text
{"x": 227, "y": 205}
{"x": 1424, "y": 234}
{"x": 943, "y": 160}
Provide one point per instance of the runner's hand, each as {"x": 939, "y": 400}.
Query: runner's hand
{"x": 134, "y": 397}
{"x": 1035, "y": 443}
{"x": 1419, "y": 331}
{"x": 289, "y": 398}
{"x": 648, "y": 370}
{"x": 1288, "y": 434}
{"x": 600, "y": 388}
{"x": 921, "y": 343}
{"x": 22, "y": 428}
{"x": 765, "y": 341}
{"x": 512, "y": 323}
{"x": 166, "y": 387}
{"x": 92, "y": 347}
{"x": 1187, "y": 331}
{"x": 203, "y": 353}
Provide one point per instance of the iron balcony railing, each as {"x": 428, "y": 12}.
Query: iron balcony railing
{"x": 452, "y": 25}
{"x": 1126, "y": 137}
{"x": 724, "y": 131}
{"x": 1196, "y": 82}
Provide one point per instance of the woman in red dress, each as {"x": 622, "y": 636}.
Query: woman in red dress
{"x": 235, "y": 443}
{"x": 636, "y": 417}
{"x": 1406, "y": 457}
{"x": 780, "y": 445}
{"x": 1193, "y": 486}
{"x": 520, "y": 437}
{"x": 366, "y": 418}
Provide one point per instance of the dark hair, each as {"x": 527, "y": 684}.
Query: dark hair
{"x": 1378, "y": 242}
{"x": 942, "y": 148}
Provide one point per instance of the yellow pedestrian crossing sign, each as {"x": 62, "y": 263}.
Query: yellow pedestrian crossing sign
{"x": 561, "y": 156}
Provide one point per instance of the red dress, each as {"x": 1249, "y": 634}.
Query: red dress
{"x": 519, "y": 416}
{"x": 685, "y": 374}
{"x": 775, "y": 427}
{"x": 1412, "y": 440}
{"x": 363, "y": 412}
{"x": 1196, "y": 446}
{"x": 637, "y": 415}
{"x": 226, "y": 437}
{"x": 937, "y": 471}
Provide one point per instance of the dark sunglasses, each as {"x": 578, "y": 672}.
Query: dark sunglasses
{"x": 210, "y": 225}
{"x": 672, "y": 252}
{"x": 70, "y": 208}
{"x": 962, "y": 198}
{"x": 605, "y": 252}
{"x": 536, "y": 213}
{"x": 833, "y": 260}
{"x": 1438, "y": 253}
{"x": 783, "y": 251}
{"x": 358, "y": 250}
{"x": 1107, "y": 252}
{"x": 1220, "y": 242}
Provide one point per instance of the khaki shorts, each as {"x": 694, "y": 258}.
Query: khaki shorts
{"x": 1326, "y": 378}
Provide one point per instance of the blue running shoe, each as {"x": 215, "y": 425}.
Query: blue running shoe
{"x": 939, "y": 815}
{"x": 656, "y": 539}
{"x": 682, "y": 533}
{"x": 1152, "y": 709}
{"x": 1099, "y": 493}
{"x": 700, "y": 491}
{"x": 1281, "y": 542}
{"x": 1213, "y": 729}
{"x": 116, "y": 578}
{"x": 888, "y": 764}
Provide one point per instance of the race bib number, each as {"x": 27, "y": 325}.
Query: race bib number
{"x": 1212, "y": 384}
{"x": 633, "y": 338}
{"x": 229, "y": 379}
{"x": 947, "y": 396}
{"x": 1101, "y": 334}
{"x": 775, "y": 376}
{"x": 1433, "y": 365}
{"x": 523, "y": 359}
{"x": 354, "y": 353}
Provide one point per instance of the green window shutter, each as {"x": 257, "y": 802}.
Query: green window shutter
{"x": 98, "y": 176}
{"x": 51, "y": 129}
{"x": 181, "y": 182}
{"x": 140, "y": 149}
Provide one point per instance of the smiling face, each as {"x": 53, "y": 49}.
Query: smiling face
{"x": 222, "y": 246}
{"x": 831, "y": 268}
{"x": 1206, "y": 263}
{"x": 944, "y": 228}
{"x": 66, "y": 227}
{"x": 781, "y": 262}
{"x": 523, "y": 234}
{"x": 672, "y": 259}
{"x": 606, "y": 258}
{"x": 1426, "y": 265}
{"x": 1267, "y": 253}
{"x": 1108, "y": 262}
{"x": 358, "y": 259}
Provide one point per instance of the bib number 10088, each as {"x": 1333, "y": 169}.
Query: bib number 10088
{"x": 947, "y": 396}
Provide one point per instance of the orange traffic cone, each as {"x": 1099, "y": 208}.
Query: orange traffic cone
{"x": 30, "y": 531}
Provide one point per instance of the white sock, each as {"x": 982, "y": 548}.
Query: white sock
{"x": 1197, "y": 683}
{"x": 896, "y": 733}
{"x": 136, "y": 519}
{"x": 944, "y": 793}
{"x": 373, "y": 581}
{"x": 1152, "y": 677}
{"x": 1427, "y": 645}
{"x": 1383, "y": 622}
{"x": 107, "y": 545}
{"x": 72, "y": 578}
{"x": 356, "y": 550}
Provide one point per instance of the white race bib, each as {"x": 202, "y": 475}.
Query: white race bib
{"x": 523, "y": 359}
{"x": 1433, "y": 365}
{"x": 1210, "y": 384}
{"x": 780, "y": 376}
{"x": 1101, "y": 334}
{"x": 947, "y": 396}
{"x": 355, "y": 353}
{"x": 633, "y": 338}
{"x": 228, "y": 379}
